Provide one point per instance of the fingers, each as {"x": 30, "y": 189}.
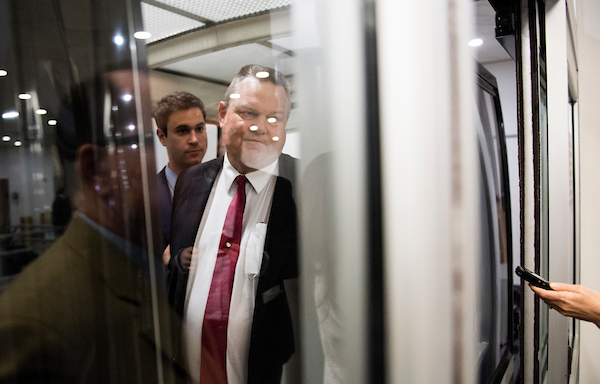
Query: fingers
{"x": 565, "y": 287}
{"x": 186, "y": 257}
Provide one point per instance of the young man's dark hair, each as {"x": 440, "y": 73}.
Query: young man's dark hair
{"x": 173, "y": 102}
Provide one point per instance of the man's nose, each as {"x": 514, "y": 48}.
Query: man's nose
{"x": 259, "y": 127}
{"x": 193, "y": 137}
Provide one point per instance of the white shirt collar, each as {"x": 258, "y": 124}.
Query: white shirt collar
{"x": 171, "y": 179}
{"x": 258, "y": 179}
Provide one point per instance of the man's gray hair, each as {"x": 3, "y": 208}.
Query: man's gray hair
{"x": 251, "y": 70}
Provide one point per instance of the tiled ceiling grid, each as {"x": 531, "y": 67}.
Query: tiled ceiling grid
{"x": 162, "y": 23}
{"x": 221, "y": 10}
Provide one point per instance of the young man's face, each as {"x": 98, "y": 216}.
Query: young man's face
{"x": 185, "y": 139}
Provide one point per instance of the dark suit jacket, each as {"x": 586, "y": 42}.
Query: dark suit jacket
{"x": 272, "y": 342}
{"x": 82, "y": 313}
{"x": 164, "y": 202}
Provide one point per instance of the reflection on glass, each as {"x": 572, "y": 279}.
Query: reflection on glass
{"x": 80, "y": 291}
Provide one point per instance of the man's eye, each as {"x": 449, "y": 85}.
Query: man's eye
{"x": 247, "y": 115}
{"x": 199, "y": 129}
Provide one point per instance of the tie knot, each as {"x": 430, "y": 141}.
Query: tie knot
{"x": 241, "y": 181}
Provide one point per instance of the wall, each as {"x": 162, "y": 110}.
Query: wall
{"x": 589, "y": 118}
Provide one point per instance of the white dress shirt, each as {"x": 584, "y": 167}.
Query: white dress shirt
{"x": 171, "y": 180}
{"x": 259, "y": 195}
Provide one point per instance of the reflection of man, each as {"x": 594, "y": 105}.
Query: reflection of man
{"x": 83, "y": 312}
{"x": 61, "y": 211}
{"x": 182, "y": 130}
{"x": 233, "y": 298}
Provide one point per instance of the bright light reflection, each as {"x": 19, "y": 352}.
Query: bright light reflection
{"x": 6, "y": 138}
{"x": 272, "y": 120}
{"x": 3, "y": 73}
{"x": 253, "y": 128}
{"x": 475, "y": 42}
{"x": 262, "y": 75}
{"x": 18, "y": 143}
{"x": 234, "y": 96}
{"x": 52, "y": 122}
{"x": 142, "y": 35}
{"x": 127, "y": 97}
{"x": 41, "y": 111}
{"x": 131, "y": 127}
{"x": 119, "y": 40}
{"x": 134, "y": 146}
{"x": 275, "y": 138}
{"x": 24, "y": 96}
{"x": 10, "y": 115}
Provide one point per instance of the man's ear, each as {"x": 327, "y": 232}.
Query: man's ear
{"x": 88, "y": 160}
{"x": 161, "y": 136}
{"x": 222, "y": 112}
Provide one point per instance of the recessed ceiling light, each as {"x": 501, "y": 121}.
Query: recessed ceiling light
{"x": 52, "y": 122}
{"x": 3, "y": 73}
{"x": 18, "y": 143}
{"x": 127, "y": 97}
{"x": 475, "y": 42}
{"x": 5, "y": 138}
{"x": 134, "y": 146}
{"x": 41, "y": 111}
{"x": 24, "y": 96}
{"x": 131, "y": 127}
{"x": 262, "y": 75}
{"x": 119, "y": 40}
{"x": 142, "y": 35}
{"x": 10, "y": 115}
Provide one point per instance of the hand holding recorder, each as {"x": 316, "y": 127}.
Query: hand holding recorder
{"x": 568, "y": 299}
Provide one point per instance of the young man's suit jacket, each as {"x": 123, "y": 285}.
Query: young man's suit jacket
{"x": 272, "y": 341}
{"x": 164, "y": 203}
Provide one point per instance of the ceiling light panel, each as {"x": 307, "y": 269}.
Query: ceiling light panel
{"x": 224, "y": 64}
{"x": 162, "y": 24}
{"x": 221, "y": 10}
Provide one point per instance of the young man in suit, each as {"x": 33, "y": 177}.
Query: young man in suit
{"x": 238, "y": 323}
{"x": 180, "y": 117}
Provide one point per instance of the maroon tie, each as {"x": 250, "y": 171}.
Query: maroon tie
{"x": 214, "y": 327}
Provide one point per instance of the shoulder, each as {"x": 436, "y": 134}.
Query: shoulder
{"x": 287, "y": 168}
{"x": 208, "y": 169}
{"x": 161, "y": 176}
{"x": 287, "y": 160}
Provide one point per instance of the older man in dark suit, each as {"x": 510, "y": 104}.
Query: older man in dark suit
{"x": 237, "y": 216}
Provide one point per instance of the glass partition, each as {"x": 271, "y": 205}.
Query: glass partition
{"x": 82, "y": 288}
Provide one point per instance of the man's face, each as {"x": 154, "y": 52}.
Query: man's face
{"x": 185, "y": 139}
{"x": 254, "y": 124}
